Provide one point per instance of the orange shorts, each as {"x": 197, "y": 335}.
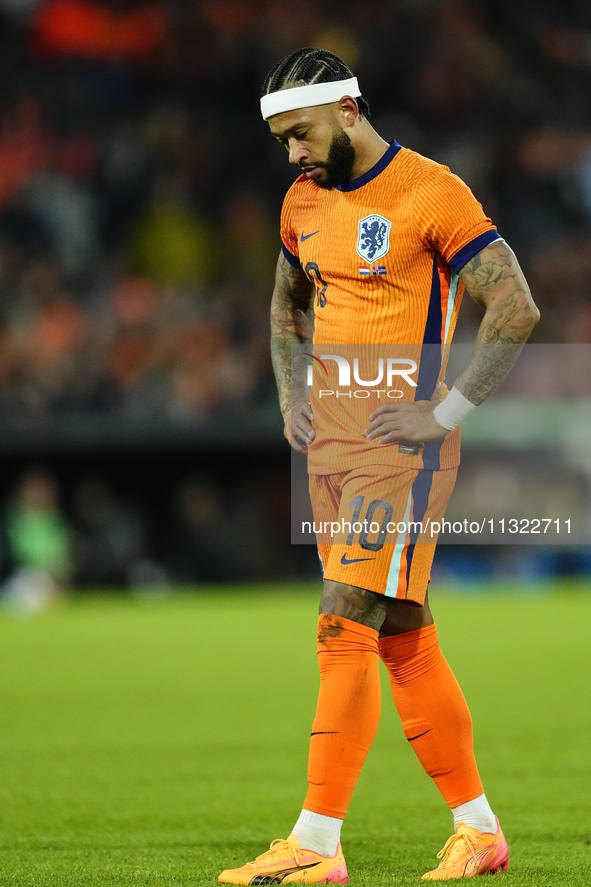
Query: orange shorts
{"x": 377, "y": 527}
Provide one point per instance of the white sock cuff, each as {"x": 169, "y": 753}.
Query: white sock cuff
{"x": 317, "y": 832}
{"x": 477, "y": 814}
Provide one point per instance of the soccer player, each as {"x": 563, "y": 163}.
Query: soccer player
{"x": 379, "y": 244}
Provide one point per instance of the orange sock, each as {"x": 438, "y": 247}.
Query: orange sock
{"x": 347, "y": 714}
{"x": 435, "y": 716}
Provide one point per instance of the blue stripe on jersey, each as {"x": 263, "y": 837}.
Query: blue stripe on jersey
{"x": 469, "y": 251}
{"x": 430, "y": 354}
{"x": 432, "y": 334}
{"x": 379, "y": 167}
{"x": 420, "y": 499}
{"x": 293, "y": 260}
{"x": 431, "y": 451}
{"x": 430, "y": 365}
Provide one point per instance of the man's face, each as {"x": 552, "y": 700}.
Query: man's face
{"x": 317, "y": 144}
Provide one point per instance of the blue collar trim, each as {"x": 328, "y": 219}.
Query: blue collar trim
{"x": 379, "y": 167}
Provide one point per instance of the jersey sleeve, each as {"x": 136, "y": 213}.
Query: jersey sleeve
{"x": 450, "y": 219}
{"x": 288, "y": 235}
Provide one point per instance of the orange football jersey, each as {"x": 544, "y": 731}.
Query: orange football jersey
{"x": 384, "y": 252}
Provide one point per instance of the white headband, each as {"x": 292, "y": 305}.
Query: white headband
{"x": 308, "y": 96}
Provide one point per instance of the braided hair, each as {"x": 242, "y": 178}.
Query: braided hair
{"x": 310, "y": 65}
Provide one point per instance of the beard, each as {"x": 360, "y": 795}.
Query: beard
{"x": 339, "y": 163}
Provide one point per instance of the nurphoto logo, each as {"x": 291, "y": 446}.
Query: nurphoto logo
{"x": 387, "y": 370}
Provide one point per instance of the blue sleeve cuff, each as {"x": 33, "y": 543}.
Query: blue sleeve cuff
{"x": 293, "y": 260}
{"x": 469, "y": 251}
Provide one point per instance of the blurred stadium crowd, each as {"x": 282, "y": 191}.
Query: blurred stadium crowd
{"x": 91, "y": 531}
{"x": 140, "y": 191}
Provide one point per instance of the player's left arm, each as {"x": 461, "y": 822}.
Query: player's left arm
{"x": 494, "y": 279}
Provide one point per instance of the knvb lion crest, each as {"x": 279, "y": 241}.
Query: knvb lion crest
{"x": 373, "y": 241}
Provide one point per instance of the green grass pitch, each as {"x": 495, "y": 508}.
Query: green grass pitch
{"x": 155, "y": 743}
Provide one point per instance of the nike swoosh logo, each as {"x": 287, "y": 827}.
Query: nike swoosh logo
{"x": 412, "y": 738}
{"x": 277, "y": 877}
{"x": 306, "y": 236}
{"x": 345, "y": 561}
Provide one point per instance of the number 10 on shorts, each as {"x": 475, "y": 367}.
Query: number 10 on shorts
{"x": 371, "y": 524}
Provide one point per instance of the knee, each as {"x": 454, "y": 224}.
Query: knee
{"x": 329, "y": 627}
{"x": 353, "y": 603}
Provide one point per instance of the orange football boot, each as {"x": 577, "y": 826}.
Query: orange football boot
{"x": 287, "y": 862}
{"x": 469, "y": 853}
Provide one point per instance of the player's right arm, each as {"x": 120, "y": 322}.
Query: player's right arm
{"x": 292, "y": 323}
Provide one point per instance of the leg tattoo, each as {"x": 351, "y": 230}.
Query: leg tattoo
{"x": 355, "y": 604}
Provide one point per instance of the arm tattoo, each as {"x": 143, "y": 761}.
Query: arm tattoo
{"x": 356, "y": 604}
{"x": 494, "y": 280}
{"x": 292, "y": 323}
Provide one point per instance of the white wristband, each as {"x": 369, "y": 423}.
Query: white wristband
{"x": 451, "y": 411}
